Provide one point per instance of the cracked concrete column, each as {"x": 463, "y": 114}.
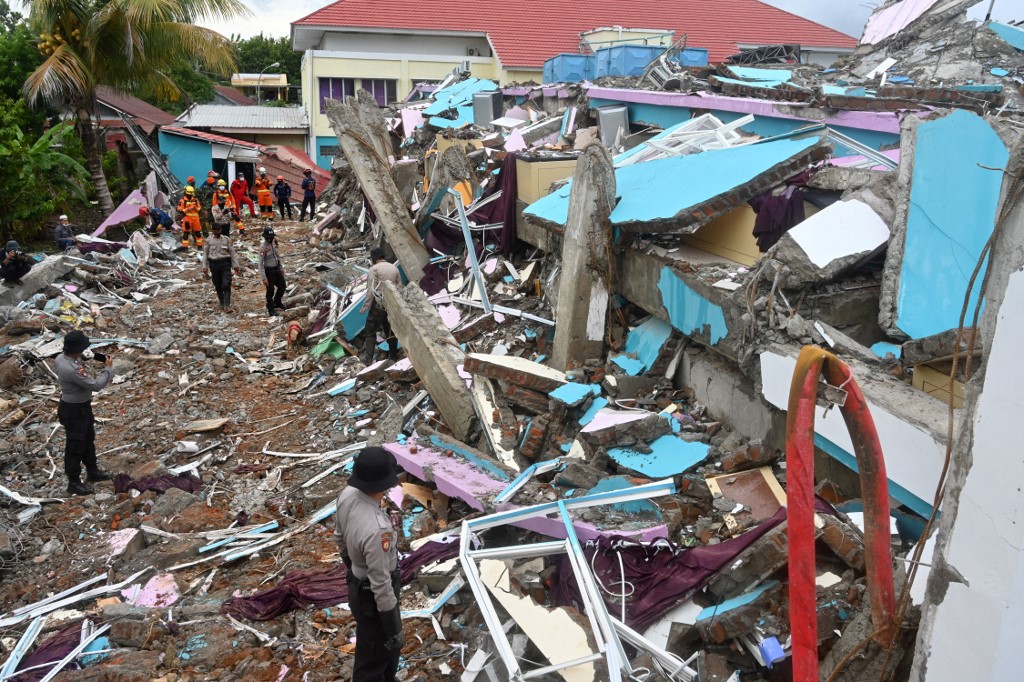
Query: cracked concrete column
{"x": 584, "y": 286}
{"x": 363, "y": 138}
{"x": 434, "y": 353}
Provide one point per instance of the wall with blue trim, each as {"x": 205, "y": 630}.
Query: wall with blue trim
{"x": 186, "y": 156}
{"x": 765, "y": 126}
{"x": 324, "y": 160}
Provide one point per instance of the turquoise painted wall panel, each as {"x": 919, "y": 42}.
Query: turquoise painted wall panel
{"x": 688, "y": 311}
{"x": 953, "y": 203}
{"x": 186, "y": 156}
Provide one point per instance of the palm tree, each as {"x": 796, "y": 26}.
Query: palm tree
{"x": 129, "y": 45}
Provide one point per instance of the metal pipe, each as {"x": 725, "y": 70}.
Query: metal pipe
{"x": 812, "y": 364}
{"x": 477, "y": 276}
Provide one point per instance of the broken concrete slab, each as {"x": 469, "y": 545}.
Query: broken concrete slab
{"x": 668, "y": 455}
{"x": 581, "y": 314}
{"x": 939, "y": 346}
{"x": 652, "y": 201}
{"x": 829, "y": 242}
{"x": 469, "y": 475}
{"x": 737, "y": 616}
{"x": 358, "y": 126}
{"x": 41, "y": 276}
{"x": 433, "y": 352}
{"x": 643, "y": 346}
{"x": 516, "y": 370}
{"x": 944, "y": 224}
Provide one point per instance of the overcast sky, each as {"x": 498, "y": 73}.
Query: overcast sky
{"x": 273, "y": 17}
{"x": 849, "y": 15}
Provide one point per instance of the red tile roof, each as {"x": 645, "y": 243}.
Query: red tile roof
{"x": 145, "y": 114}
{"x": 212, "y": 137}
{"x": 236, "y": 96}
{"x": 527, "y": 32}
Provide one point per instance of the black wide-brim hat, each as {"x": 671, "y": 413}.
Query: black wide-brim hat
{"x": 374, "y": 470}
{"x": 76, "y": 342}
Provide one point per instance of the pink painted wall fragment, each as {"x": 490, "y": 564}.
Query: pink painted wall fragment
{"x": 161, "y": 590}
{"x": 893, "y": 19}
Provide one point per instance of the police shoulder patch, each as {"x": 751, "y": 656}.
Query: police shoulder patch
{"x": 385, "y": 541}
{"x": 82, "y": 373}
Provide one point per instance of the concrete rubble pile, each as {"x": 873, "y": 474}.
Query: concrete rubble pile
{"x": 599, "y": 325}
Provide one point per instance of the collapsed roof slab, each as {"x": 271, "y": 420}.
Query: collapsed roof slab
{"x": 680, "y": 194}
{"x": 953, "y": 168}
{"x": 911, "y": 426}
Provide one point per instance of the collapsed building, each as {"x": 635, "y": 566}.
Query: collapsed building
{"x": 635, "y": 310}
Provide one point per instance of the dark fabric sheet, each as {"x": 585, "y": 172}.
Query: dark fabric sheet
{"x": 662, "y": 575}
{"x": 502, "y": 210}
{"x": 53, "y": 649}
{"x": 160, "y": 484}
{"x": 776, "y": 215}
{"x": 320, "y": 589}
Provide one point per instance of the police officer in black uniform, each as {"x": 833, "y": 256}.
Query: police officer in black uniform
{"x": 368, "y": 543}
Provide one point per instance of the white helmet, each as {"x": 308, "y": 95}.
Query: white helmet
{"x": 263, "y": 171}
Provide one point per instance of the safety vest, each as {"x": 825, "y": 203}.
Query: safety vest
{"x": 225, "y": 196}
{"x": 190, "y": 206}
{"x": 262, "y": 186}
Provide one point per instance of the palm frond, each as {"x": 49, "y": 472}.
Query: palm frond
{"x": 170, "y": 42}
{"x": 62, "y": 78}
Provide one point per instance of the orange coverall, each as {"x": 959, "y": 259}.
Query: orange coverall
{"x": 191, "y": 207}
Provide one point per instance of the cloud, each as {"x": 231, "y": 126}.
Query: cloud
{"x": 849, "y": 16}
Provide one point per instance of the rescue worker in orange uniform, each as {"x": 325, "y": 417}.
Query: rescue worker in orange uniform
{"x": 190, "y": 207}
{"x": 264, "y": 195}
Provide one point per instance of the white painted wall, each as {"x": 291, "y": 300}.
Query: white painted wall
{"x": 979, "y": 627}
{"x": 391, "y": 43}
{"x": 913, "y": 454}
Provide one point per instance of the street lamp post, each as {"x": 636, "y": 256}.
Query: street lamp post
{"x": 259, "y": 79}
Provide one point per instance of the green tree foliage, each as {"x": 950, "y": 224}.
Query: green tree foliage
{"x": 195, "y": 88}
{"x": 19, "y": 57}
{"x": 129, "y": 45}
{"x": 259, "y": 52}
{"x": 41, "y": 178}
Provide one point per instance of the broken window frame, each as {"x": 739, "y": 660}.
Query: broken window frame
{"x": 603, "y": 626}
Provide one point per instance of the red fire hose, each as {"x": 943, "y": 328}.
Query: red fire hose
{"x": 813, "y": 363}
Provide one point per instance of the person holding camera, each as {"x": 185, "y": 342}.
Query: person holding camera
{"x": 75, "y": 411}
{"x": 15, "y": 264}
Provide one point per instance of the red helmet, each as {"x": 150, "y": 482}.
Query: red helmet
{"x": 143, "y": 211}
{"x": 280, "y": 177}
{"x": 191, "y": 179}
{"x": 307, "y": 171}
{"x": 211, "y": 174}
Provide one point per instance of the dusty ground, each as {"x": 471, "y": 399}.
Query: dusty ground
{"x": 140, "y": 420}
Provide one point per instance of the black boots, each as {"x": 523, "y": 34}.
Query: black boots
{"x": 79, "y": 488}
{"x": 97, "y": 475}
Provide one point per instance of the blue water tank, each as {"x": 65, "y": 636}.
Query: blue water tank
{"x": 693, "y": 56}
{"x": 569, "y": 67}
{"x": 627, "y": 60}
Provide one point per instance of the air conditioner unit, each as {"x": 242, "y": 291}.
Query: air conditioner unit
{"x": 471, "y": 52}
{"x": 487, "y": 106}
{"x": 465, "y": 67}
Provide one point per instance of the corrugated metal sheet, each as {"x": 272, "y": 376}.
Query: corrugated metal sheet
{"x": 226, "y": 117}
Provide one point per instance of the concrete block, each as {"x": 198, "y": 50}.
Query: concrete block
{"x": 42, "y": 275}
{"x": 737, "y": 616}
{"x": 530, "y": 400}
{"x": 515, "y": 370}
{"x": 433, "y": 352}
{"x": 753, "y": 565}
{"x": 938, "y": 346}
{"x": 750, "y": 456}
{"x": 475, "y": 328}
{"x": 844, "y": 539}
{"x": 172, "y": 502}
